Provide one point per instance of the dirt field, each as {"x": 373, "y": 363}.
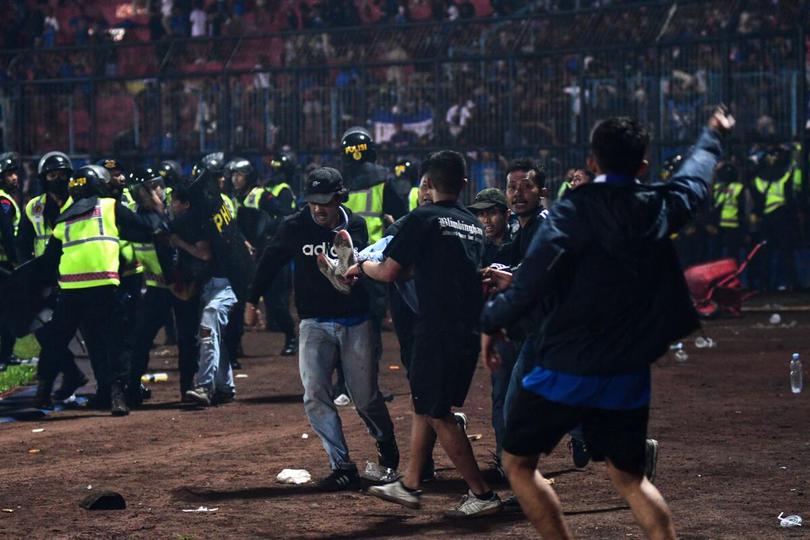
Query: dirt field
{"x": 735, "y": 452}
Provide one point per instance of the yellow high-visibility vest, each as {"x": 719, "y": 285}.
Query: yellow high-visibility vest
{"x": 152, "y": 271}
{"x": 369, "y": 205}
{"x": 17, "y": 216}
{"x": 413, "y": 198}
{"x": 35, "y": 211}
{"x": 127, "y": 199}
{"x": 278, "y": 188}
{"x": 775, "y": 191}
{"x": 90, "y": 248}
{"x": 728, "y": 198}
{"x": 254, "y": 197}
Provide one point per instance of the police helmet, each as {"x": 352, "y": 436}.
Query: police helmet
{"x": 54, "y": 161}
{"x": 406, "y": 169}
{"x": 213, "y": 164}
{"x": 9, "y": 161}
{"x": 171, "y": 172}
{"x": 143, "y": 177}
{"x": 358, "y": 146}
{"x": 111, "y": 164}
{"x": 282, "y": 168}
{"x": 671, "y": 166}
{"x": 241, "y": 165}
{"x": 89, "y": 181}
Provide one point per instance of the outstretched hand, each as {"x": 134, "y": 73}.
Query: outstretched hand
{"x": 721, "y": 121}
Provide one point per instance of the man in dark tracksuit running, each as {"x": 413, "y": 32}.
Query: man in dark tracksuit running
{"x": 614, "y": 298}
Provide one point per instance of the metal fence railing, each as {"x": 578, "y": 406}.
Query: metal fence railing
{"x": 494, "y": 89}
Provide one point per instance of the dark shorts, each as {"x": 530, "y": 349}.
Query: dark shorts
{"x": 441, "y": 370}
{"x": 535, "y": 426}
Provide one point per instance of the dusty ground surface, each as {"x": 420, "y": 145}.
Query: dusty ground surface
{"x": 735, "y": 452}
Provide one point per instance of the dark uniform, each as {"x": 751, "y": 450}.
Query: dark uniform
{"x": 9, "y": 223}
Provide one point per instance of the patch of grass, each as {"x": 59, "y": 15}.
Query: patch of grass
{"x": 16, "y": 376}
{"x": 27, "y": 347}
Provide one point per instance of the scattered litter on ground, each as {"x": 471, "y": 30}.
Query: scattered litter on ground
{"x": 241, "y": 376}
{"x": 294, "y": 476}
{"x": 147, "y": 378}
{"x": 33, "y": 450}
{"x": 37, "y": 430}
{"x": 89, "y": 486}
{"x": 394, "y": 367}
{"x": 474, "y": 436}
{"x": 703, "y": 342}
{"x": 7, "y": 510}
{"x": 789, "y": 521}
{"x": 304, "y": 436}
{"x": 201, "y": 509}
{"x": 775, "y": 318}
{"x": 378, "y": 473}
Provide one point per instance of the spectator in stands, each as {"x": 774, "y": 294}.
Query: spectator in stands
{"x": 51, "y": 29}
{"x": 198, "y": 20}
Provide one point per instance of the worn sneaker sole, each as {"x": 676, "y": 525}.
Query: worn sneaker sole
{"x": 453, "y": 514}
{"x": 651, "y": 459}
{"x": 327, "y": 267}
{"x": 375, "y": 491}
{"x": 345, "y": 252}
{"x": 198, "y": 399}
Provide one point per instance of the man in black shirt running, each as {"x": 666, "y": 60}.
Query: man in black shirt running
{"x": 442, "y": 244}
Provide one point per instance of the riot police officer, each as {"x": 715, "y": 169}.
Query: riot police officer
{"x": 373, "y": 197}
{"x": 406, "y": 172}
{"x": 9, "y": 223}
{"x": 85, "y": 246}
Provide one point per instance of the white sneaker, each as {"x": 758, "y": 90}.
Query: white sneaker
{"x": 461, "y": 420}
{"x": 342, "y": 400}
{"x": 396, "y": 492}
{"x": 471, "y": 506}
{"x": 327, "y": 266}
{"x": 346, "y": 257}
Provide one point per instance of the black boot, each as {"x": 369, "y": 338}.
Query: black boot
{"x": 43, "y": 398}
{"x": 119, "y": 401}
{"x": 290, "y": 346}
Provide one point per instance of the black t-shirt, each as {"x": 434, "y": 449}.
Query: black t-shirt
{"x": 191, "y": 230}
{"x": 301, "y": 240}
{"x": 443, "y": 242}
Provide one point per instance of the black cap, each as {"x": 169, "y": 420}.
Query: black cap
{"x": 489, "y": 197}
{"x": 323, "y": 184}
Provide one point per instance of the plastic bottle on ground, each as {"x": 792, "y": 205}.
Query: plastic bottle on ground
{"x": 796, "y": 373}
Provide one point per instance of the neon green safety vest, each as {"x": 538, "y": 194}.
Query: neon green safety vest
{"x": 17, "y": 215}
{"x": 369, "y": 204}
{"x": 130, "y": 265}
{"x": 90, "y": 248}
{"x": 127, "y": 199}
{"x": 413, "y": 198}
{"x": 254, "y": 197}
{"x": 727, "y": 199}
{"x": 774, "y": 192}
{"x": 278, "y": 188}
{"x": 35, "y": 210}
{"x": 147, "y": 256}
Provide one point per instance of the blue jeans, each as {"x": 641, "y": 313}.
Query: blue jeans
{"x": 500, "y": 384}
{"x": 319, "y": 343}
{"x": 214, "y": 373}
